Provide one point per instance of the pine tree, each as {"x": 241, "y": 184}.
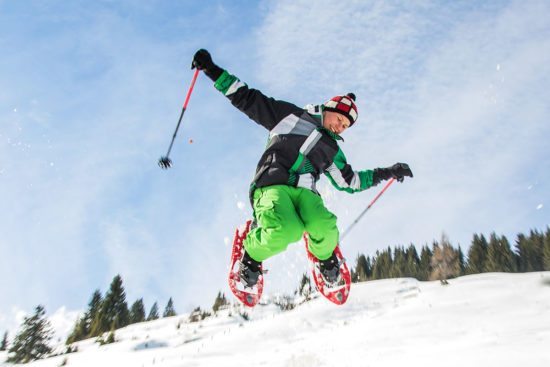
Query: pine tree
{"x": 83, "y": 326}
{"x": 399, "y": 263}
{"x": 509, "y": 258}
{"x": 530, "y": 251}
{"x": 493, "y": 254}
{"x": 445, "y": 263}
{"x": 537, "y": 238}
{"x": 94, "y": 307}
{"x": 546, "y": 250}
{"x": 217, "y": 302}
{"x": 477, "y": 255}
{"x": 425, "y": 266}
{"x": 4, "y": 343}
{"x": 198, "y": 315}
{"x": 376, "y": 267}
{"x": 195, "y": 316}
{"x": 137, "y": 312}
{"x": 362, "y": 268}
{"x": 114, "y": 311}
{"x": 79, "y": 331}
{"x": 111, "y": 337}
{"x": 220, "y": 302}
{"x": 285, "y": 302}
{"x": 153, "y": 313}
{"x": 368, "y": 267}
{"x": 382, "y": 264}
{"x": 169, "y": 310}
{"x": 500, "y": 257}
{"x": 522, "y": 251}
{"x": 305, "y": 289}
{"x": 32, "y": 341}
{"x": 461, "y": 261}
{"x": 411, "y": 268}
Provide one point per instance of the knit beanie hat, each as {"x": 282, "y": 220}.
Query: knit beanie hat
{"x": 344, "y": 105}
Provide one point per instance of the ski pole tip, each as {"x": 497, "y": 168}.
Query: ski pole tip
{"x": 165, "y": 163}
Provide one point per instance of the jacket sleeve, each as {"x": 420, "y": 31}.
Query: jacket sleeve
{"x": 263, "y": 110}
{"x": 344, "y": 178}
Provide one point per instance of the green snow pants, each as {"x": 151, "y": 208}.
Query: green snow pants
{"x": 283, "y": 214}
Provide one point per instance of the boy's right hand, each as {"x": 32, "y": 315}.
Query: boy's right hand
{"x": 203, "y": 61}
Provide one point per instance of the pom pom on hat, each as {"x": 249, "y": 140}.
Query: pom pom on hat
{"x": 344, "y": 105}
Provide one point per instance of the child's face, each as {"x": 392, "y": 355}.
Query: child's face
{"x": 335, "y": 122}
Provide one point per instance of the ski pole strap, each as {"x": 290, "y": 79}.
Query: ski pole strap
{"x": 345, "y": 233}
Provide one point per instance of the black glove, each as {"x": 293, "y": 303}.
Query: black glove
{"x": 397, "y": 171}
{"x": 203, "y": 61}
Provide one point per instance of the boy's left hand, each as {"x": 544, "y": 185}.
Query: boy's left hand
{"x": 400, "y": 170}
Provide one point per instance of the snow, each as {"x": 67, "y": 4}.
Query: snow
{"x": 489, "y": 319}
{"x": 539, "y": 207}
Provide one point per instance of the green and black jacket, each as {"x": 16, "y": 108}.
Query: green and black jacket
{"x": 299, "y": 149}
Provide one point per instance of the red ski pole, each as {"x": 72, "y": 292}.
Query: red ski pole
{"x": 367, "y": 209}
{"x": 165, "y": 162}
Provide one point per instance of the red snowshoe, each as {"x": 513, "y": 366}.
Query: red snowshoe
{"x": 337, "y": 293}
{"x": 248, "y": 296}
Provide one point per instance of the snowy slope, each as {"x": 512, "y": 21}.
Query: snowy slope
{"x": 480, "y": 320}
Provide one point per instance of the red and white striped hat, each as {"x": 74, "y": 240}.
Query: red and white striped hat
{"x": 344, "y": 105}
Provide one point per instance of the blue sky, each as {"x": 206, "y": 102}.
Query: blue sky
{"x": 90, "y": 93}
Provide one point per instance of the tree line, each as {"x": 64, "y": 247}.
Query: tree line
{"x": 104, "y": 314}
{"x": 442, "y": 261}
{"x": 109, "y": 313}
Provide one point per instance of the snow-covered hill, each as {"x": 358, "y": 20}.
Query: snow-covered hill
{"x": 481, "y": 320}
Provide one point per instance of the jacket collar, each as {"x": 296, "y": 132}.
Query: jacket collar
{"x": 332, "y": 135}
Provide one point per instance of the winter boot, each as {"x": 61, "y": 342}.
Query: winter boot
{"x": 330, "y": 269}
{"x": 249, "y": 270}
